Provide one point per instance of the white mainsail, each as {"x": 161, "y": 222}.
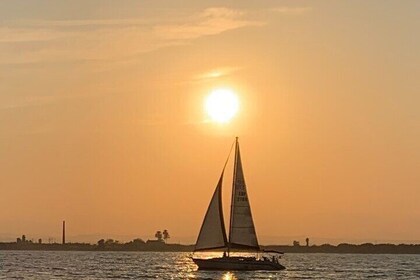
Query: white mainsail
{"x": 242, "y": 233}
{"x": 212, "y": 233}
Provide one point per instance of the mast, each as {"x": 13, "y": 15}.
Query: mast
{"x": 232, "y": 201}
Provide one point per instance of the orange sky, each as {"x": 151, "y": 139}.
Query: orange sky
{"x": 102, "y": 121}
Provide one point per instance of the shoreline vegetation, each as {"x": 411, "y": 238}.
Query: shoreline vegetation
{"x": 160, "y": 246}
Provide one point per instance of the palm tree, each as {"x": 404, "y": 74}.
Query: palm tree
{"x": 158, "y": 235}
{"x": 166, "y": 235}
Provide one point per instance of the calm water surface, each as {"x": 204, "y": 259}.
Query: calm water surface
{"x": 146, "y": 265}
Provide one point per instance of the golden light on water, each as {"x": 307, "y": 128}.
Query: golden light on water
{"x": 222, "y": 105}
{"x": 229, "y": 276}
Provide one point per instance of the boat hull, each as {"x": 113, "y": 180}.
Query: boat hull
{"x": 234, "y": 263}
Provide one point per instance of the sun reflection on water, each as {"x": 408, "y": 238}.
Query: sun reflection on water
{"x": 229, "y": 276}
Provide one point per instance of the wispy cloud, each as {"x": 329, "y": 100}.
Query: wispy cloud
{"x": 209, "y": 22}
{"x": 21, "y": 34}
{"x": 110, "y": 39}
{"x": 82, "y": 23}
{"x": 33, "y": 100}
{"x": 215, "y": 73}
{"x": 292, "y": 10}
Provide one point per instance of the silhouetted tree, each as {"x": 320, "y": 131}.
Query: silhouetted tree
{"x": 166, "y": 235}
{"x": 101, "y": 243}
{"x": 135, "y": 243}
{"x": 158, "y": 235}
{"x": 307, "y": 242}
{"x": 109, "y": 241}
{"x": 138, "y": 241}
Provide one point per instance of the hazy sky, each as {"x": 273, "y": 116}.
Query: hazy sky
{"x": 102, "y": 121}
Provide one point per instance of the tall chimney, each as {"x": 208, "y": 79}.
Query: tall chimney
{"x": 64, "y": 232}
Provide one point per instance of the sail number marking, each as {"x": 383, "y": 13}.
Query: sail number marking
{"x": 241, "y": 196}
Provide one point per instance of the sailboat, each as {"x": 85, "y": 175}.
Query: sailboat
{"x": 242, "y": 234}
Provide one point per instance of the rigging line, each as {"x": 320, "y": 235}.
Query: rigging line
{"x": 230, "y": 152}
{"x": 220, "y": 197}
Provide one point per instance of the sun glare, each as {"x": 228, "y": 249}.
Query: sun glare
{"x": 222, "y": 105}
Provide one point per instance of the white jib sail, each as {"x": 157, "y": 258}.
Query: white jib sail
{"x": 212, "y": 233}
{"x": 242, "y": 233}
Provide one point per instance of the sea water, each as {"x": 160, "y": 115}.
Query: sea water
{"x": 156, "y": 265}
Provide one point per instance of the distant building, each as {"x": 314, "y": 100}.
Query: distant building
{"x": 64, "y": 233}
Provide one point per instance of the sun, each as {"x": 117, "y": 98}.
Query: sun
{"x": 222, "y": 105}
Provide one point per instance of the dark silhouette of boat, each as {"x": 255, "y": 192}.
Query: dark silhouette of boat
{"x": 242, "y": 234}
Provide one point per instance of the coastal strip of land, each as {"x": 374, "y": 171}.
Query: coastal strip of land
{"x": 139, "y": 245}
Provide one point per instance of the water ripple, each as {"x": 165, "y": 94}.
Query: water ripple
{"x": 154, "y": 265}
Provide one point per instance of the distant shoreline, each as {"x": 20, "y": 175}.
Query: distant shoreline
{"x": 367, "y": 248}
